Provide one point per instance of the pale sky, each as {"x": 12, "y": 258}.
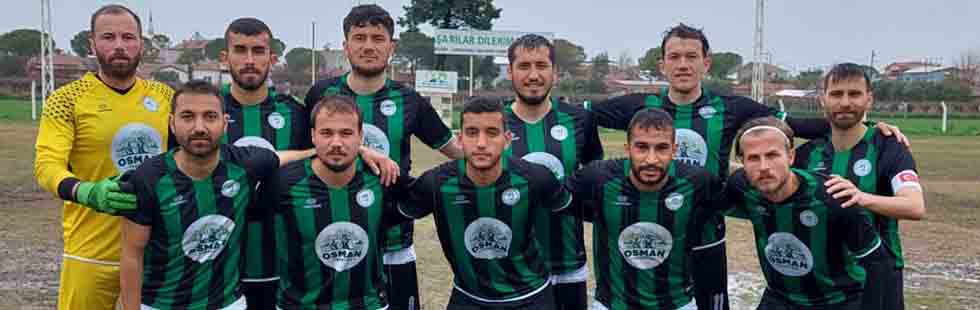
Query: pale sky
{"x": 799, "y": 34}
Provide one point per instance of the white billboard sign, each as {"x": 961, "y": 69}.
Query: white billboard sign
{"x": 477, "y": 42}
{"x": 428, "y": 81}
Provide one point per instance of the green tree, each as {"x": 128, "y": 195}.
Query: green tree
{"x": 568, "y": 56}
{"x": 80, "y": 43}
{"x": 13, "y": 65}
{"x": 213, "y": 49}
{"x": 278, "y": 46}
{"x": 810, "y": 79}
{"x": 150, "y": 51}
{"x": 649, "y": 61}
{"x": 190, "y": 58}
{"x": 450, "y": 14}
{"x": 298, "y": 59}
{"x": 416, "y": 48}
{"x": 161, "y": 40}
{"x": 600, "y": 69}
{"x": 21, "y": 42}
{"x": 723, "y": 64}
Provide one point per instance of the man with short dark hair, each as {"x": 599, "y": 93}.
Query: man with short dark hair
{"x": 870, "y": 170}
{"x": 561, "y": 137}
{"x": 650, "y": 215}
{"x": 482, "y": 208}
{"x": 814, "y": 253}
{"x": 392, "y": 112}
{"x": 98, "y": 126}
{"x": 181, "y": 247}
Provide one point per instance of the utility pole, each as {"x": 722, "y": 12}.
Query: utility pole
{"x": 313, "y": 56}
{"x": 758, "y": 68}
{"x": 47, "y": 52}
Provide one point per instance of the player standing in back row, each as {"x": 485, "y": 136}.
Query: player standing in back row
{"x": 870, "y": 170}
{"x": 392, "y": 113}
{"x": 561, "y": 137}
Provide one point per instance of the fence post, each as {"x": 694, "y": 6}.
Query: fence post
{"x": 945, "y": 115}
{"x": 33, "y": 101}
{"x": 905, "y": 107}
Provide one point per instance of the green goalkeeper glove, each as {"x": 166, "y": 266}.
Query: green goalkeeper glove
{"x": 105, "y": 196}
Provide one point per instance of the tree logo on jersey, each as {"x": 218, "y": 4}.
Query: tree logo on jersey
{"x": 207, "y": 237}
{"x": 510, "y": 196}
{"x": 645, "y": 245}
{"x": 674, "y": 201}
{"x": 230, "y": 188}
{"x": 808, "y": 218}
{"x": 862, "y": 167}
{"x": 342, "y": 245}
{"x": 691, "y": 148}
{"x": 547, "y": 160}
{"x": 376, "y": 139}
{"x": 707, "y": 112}
{"x": 133, "y": 144}
{"x": 254, "y": 141}
{"x": 388, "y": 108}
{"x": 488, "y": 238}
{"x": 788, "y": 255}
{"x": 276, "y": 120}
{"x": 365, "y": 198}
{"x": 150, "y": 104}
{"x": 559, "y": 132}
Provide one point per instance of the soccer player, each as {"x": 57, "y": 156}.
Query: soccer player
{"x": 870, "y": 170}
{"x": 101, "y": 125}
{"x": 561, "y": 137}
{"x": 333, "y": 218}
{"x": 181, "y": 246}
{"x": 392, "y": 113}
{"x": 814, "y": 253}
{"x": 649, "y": 213}
{"x": 482, "y": 207}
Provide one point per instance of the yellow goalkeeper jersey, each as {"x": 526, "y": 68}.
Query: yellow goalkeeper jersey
{"x": 89, "y": 131}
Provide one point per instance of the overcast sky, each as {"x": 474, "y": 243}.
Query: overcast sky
{"x": 799, "y": 34}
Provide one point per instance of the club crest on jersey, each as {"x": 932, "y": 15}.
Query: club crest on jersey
{"x": 134, "y": 143}
{"x": 788, "y": 255}
{"x": 623, "y": 201}
{"x": 559, "y": 132}
{"x": 674, "y": 201}
{"x": 862, "y": 167}
{"x": 310, "y": 203}
{"x": 488, "y": 238}
{"x": 547, "y": 160}
{"x": 376, "y": 139}
{"x": 645, "y": 245}
{"x": 254, "y": 141}
{"x": 707, "y": 112}
{"x": 388, "y": 107}
{"x": 510, "y": 196}
{"x": 342, "y": 245}
{"x": 365, "y": 198}
{"x": 150, "y": 105}
{"x": 808, "y": 218}
{"x": 230, "y": 188}
{"x": 207, "y": 237}
{"x": 276, "y": 120}
{"x": 691, "y": 148}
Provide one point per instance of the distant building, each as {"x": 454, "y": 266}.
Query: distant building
{"x": 773, "y": 73}
{"x": 66, "y": 67}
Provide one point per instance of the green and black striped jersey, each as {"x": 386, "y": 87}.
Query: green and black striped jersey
{"x": 808, "y": 246}
{"x": 642, "y": 240}
{"x": 391, "y": 116}
{"x": 330, "y": 241}
{"x": 878, "y": 165}
{"x": 278, "y": 123}
{"x": 705, "y": 129}
{"x": 563, "y": 140}
{"x": 192, "y": 258}
{"x": 487, "y": 232}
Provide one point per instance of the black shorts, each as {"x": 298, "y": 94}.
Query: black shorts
{"x": 402, "y": 287}
{"x": 893, "y": 289}
{"x": 543, "y": 300}
{"x": 571, "y": 296}
{"x": 772, "y": 301}
{"x": 260, "y": 295}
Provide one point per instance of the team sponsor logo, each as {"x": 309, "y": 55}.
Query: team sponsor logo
{"x": 819, "y": 167}
{"x": 276, "y": 120}
{"x": 645, "y": 245}
{"x": 388, "y": 108}
{"x": 808, "y": 218}
{"x": 207, "y": 237}
{"x": 559, "y": 132}
{"x": 622, "y": 200}
{"x": 104, "y": 107}
{"x": 488, "y": 238}
{"x": 178, "y": 200}
{"x": 134, "y": 143}
{"x": 460, "y": 199}
{"x": 547, "y": 160}
{"x": 862, "y": 167}
{"x": 674, "y": 201}
{"x": 510, "y": 196}
{"x": 691, "y": 148}
{"x": 365, "y": 197}
{"x": 707, "y": 112}
{"x": 342, "y": 245}
{"x": 254, "y": 141}
{"x": 788, "y": 255}
{"x": 311, "y": 203}
{"x": 150, "y": 105}
{"x": 230, "y": 188}
{"x": 376, "y": 139}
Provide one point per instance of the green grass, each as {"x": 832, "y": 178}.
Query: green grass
{"x": 15, "y": 110}
{"x": 933, "y": 126}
